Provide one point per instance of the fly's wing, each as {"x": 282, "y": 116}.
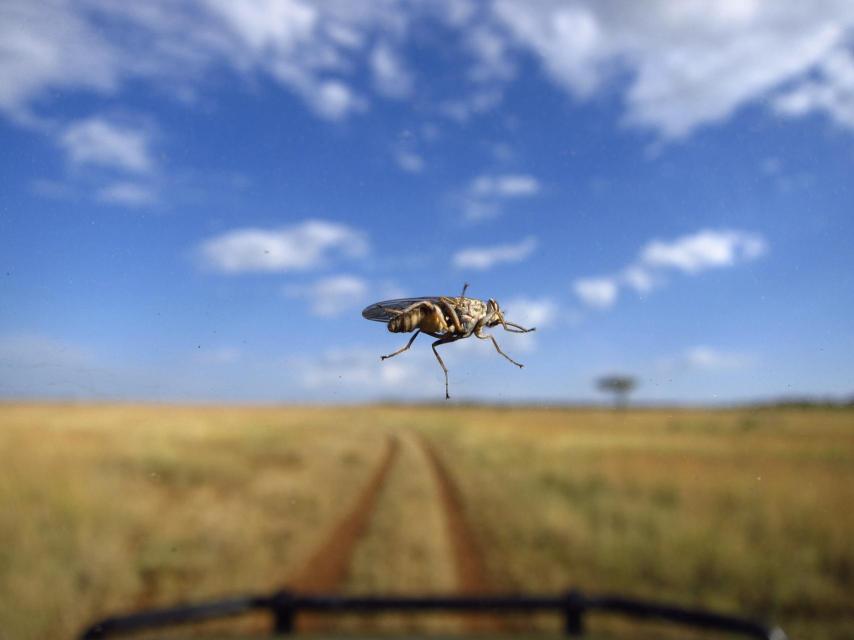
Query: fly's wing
{"x": 380, "y": 310}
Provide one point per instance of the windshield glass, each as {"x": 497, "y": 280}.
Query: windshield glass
{"x": 451, "y": 298}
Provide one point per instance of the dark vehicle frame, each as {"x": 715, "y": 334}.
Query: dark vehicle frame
{"x": 573, "y": 605}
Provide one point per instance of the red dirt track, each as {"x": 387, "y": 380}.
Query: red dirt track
{"x": 468, "y": 559}
{"x": 472, "y": 574}
{"x": 327, "y": 569}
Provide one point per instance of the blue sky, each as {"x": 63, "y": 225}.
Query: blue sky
{"x": 200, "y": 197}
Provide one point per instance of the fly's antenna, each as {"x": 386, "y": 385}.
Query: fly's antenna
{"x": 463, "y": 294}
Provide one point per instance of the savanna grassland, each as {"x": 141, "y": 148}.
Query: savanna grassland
{"x": 106, "y": 509}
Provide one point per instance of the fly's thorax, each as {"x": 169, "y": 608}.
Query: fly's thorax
{"x": 470, "y": 311}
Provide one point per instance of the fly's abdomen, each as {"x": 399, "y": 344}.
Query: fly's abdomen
{"x": 405, "y": 322}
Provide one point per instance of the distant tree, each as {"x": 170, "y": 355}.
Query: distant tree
{"x": 621, "y": 386}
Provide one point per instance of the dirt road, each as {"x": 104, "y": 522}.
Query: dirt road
{"x": 406, "y": 534}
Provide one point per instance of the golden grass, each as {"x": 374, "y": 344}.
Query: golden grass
{"x": 745, "y": 511}
{"x": 108, "y": 508}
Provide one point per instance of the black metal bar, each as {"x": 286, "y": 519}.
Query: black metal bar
{"x": 494, "y": 604}
{"x": 170, "y": 616}
{"x": 285, "y": 606}
{"x": 284, "y": 613}
{"x": 690, "y": 617}
{"x": 574, "y": 605}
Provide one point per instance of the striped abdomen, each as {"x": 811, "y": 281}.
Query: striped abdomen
{"x": 405, "y": 322}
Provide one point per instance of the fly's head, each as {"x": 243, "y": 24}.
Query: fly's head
{"x": 493, "y": 316}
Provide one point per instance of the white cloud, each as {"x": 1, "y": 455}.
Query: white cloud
{"x": 332, "y": 99}
{"x": 33, "y": 365}
{"x": 391, "y": 77}
{"x": 485, "y": 194}
{"x": 703, "y": 250}
{"x": 126, "y": 193}
{"x": 596, "y": 292}
{"x": 568, "y": 39}
{"x": 531, "y": 312}
{"x": 504, "y": 186}
{"x": 49, "y": 45}
{"x": 510, "y": 343}
{"x": 681, "y": 64}
{"x": 53, "y": 189}
{"x": 482, "y": 258}
{"x": 27, "y": 350}
{"x": 218, "y": 355}
{"x": 491, "y": 51}
{"x": 709, "y": 359}
{"x": 300, "y": 247}
{"x": 331, "y": 296}
{"x": 463, "y": 109}
{"x": 689, "y": 254}
{"x": 689, "y": 63}
{"x": 639, "y": 279}
{"x": 832, "y": 91}
{"x": 98, "y": 46}
{"x": 410, "y": 162}
{"x": 355, "y": 367}
{"x": 98, "y": 141}
{"x": 705, "y": 358}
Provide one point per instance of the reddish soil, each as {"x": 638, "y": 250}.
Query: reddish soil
{"x": 327, "y": 569}
{"x": 472, "y": 575}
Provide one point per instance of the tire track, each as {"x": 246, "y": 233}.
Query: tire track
{"x": 327, "y": 569}
{"x": 472, "y": 574}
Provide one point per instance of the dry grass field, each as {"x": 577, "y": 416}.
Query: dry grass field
{"x": 105, "y": 509}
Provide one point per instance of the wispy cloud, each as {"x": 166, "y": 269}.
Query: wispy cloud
{"x": 410, "y": 161}
{"x": 482, "y": 258}
{"x": 706, "y": 358}
{"x": 485, "y": 194}
{"x": 689, "y": 254}
{"x": 830, "y": 90}
{"x": 127, "y": 193}
{"x": 50, "y": 45}
{"x": 355, "y": 367}
{"x": 596, "y": 292}
{"x": 505, "y": 186}
{"x": 531, "y": 312}
{"x": 706, "y": 249}
{"x": 793, "y": 56}
{"x": 331, "y": 296}
{"x": 104, "y": 143}
{"x": 390, "y": 75}
{"x": 677, "y": 84}
{"x": 223, "y": 355}
{"x": 463, "y": 109}
{"x": 300, "y": 247}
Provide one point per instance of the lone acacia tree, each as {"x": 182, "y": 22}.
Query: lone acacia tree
{"x": 620, "y": 385}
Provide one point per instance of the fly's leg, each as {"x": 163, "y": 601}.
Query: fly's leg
{"x": 408, "y": 344}
{"x": 498, "y": 349}
{"x": 452, "y": 314}
{"x": 441, "y": 362}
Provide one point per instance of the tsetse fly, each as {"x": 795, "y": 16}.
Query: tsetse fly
{"x": 445, "y": 318}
